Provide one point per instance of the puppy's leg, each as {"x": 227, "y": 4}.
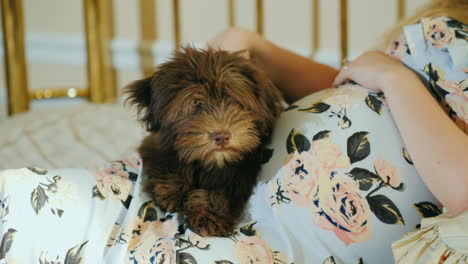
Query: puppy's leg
{"x": 208, "y": 213}
{"x": 168, "y": 192}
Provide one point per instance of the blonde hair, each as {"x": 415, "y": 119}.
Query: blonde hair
{"x": 456, "y": 9}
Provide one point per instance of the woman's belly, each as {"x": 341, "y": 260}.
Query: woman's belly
{"x": 340, "y": 181}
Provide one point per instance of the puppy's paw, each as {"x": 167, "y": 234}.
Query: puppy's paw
{"x": 168, "y": 203}
{"x": 168, "y": 196}
{"x": 208, "y": 224}
{"x": 208, "y": 213}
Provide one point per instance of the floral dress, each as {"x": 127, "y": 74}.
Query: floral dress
{"x": 339, "y": 186}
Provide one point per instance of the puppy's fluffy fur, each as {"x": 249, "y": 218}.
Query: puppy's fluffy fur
{"x": 209, "y": 113}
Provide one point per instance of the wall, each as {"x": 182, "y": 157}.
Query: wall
{"x": 55, "y": 31}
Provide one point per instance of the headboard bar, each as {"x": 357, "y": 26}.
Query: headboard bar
{"x": 344, "y": 30}
{"x": 401, "y": 9}
{"x": 259, "y": 7}
{"x": 176, "y": 22}
{"x": 13, "y": 38}
{"x": 99, "y": 31}
{"x": 231, "y": 13}
{"x": 148, "y": 34}
{"x": 315, "y": 27}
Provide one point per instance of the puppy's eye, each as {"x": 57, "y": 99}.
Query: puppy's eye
{"x": 197, "y": 104}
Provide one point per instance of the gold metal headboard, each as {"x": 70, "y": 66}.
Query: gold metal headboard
{"x": 231, "y": 13}
{"x": 98, "y": 16}
{"x": 401, "y": 9}
{"x": 13, "y": 41}
{"x": 315, "y": 27}
{"x": 176, "y": 22}
{"x": 260, "y": 20}
{"x": 344, "y": 30}
{"x": 149, "y": 34}
{"x": 101, "y": 77}
{"x": 99, "y": 33}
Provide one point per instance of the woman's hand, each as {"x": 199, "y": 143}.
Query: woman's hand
{"x": 434, "y": 141}
{"x": 373, "y": 69}
{"x": 234, "y": 39}
{"x": 296, "y": 76}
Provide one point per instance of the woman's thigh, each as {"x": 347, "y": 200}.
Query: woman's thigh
{"x": 100, "y": 215}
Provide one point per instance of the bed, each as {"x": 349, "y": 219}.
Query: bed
{"x": 102, "y": 136}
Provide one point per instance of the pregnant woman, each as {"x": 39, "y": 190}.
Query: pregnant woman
{"x": 357, "y": 167}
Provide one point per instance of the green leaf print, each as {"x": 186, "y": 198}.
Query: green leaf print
{"x": 39, "y": 171}
{"x": 385, "y": 210}
{"x": 97, "y": 193}
{"x": 290, "y": 107}
{"x": 223, "y": 262}
{"x": 38, "y": 199}
{"x": 358, "y": 146}
{"x": 321, "y": 135}
{"x": 366, "y": 178}
{"x": 74, "y": 254}
{"x": 461, "y": 35}
{"x": 329, "y": 260}
{"x": 374, "y": 104}
{"x": 406, "y": 156}
{"x": 185, "y": 258}
{"x": 147, "y": 211}
{"x": 7, "y": 241}
{"x": 297, "y": 142}
{"x": 248, "y": 230}
{"x": 316, "y": 108}
{"x": 266, "y": 155}
{"x": 4, "y": 209}
{"x": 427, "y": 209}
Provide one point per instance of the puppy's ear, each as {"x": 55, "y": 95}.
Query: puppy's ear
{"x": 272, "y": 98}
{"x": 269, "y": 95}
{"x": 141, "y": 94}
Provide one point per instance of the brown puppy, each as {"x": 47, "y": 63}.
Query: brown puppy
{"x": 209, "y": 112}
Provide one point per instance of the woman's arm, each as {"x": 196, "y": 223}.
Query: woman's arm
{"x": 294, "y": 75}
{"x": 437, "y": 146}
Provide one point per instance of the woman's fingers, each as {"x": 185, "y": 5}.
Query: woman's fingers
{"x": 233, "y": 39}
{"x": 343, "y": 76}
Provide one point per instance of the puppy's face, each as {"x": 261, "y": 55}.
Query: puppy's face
{"x": 210, "y": 106}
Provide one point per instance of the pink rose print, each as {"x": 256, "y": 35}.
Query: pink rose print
{"x": 134, "y": 162}
{"x": 299, "y": 178}
{"x": 387, "y": 172}
{"x": 113, "y": 235}
{"x": 164, "y": 251}
{"x": 253, "y": 250}
{"x": 398, "y": 48}
{"x": 153, "y": 240}
{"x": 275, "y": 194}
{"x": 114, "y": 181}
{"x": 459, "y": 105}
{"x": 113, "y": 186}
{"x": 197, "y": 240}
{"x": 346, "y": 96}
{"x": 166, "y": 228}
{"x": 437, "y": 32}
{"x": 455, "y": 88}
{"x": 343, "y": 210}
{"x": 329, "y": 155}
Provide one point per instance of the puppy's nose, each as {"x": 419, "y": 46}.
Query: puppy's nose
{"x": 221, "y": 138}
